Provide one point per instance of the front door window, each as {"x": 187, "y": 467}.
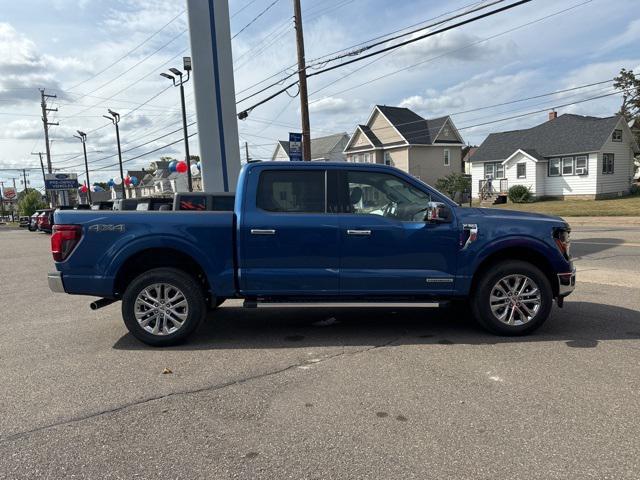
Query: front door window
{"x": 372, "y": 193}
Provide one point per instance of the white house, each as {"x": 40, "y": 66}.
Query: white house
{"x": 567, "y": 156}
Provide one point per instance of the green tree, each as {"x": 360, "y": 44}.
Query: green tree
{"x": 629, "y": 84}
{"x": 454, "y": 183}
{"x": 30, "y": 202}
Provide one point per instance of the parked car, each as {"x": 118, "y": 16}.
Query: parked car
{"x": 301, "y": 235}
{"x": 154, "y": 203}
{"x": 201, "y": 201}
{"x": 125, "y": 204}
{"x": 24, "y": 222}
{"x": 105, "y": 205}
{"x": 33, "y": 221}
{"x": 44, "y": 220}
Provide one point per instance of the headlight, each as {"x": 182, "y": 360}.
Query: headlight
{"x": 562, "y": 237}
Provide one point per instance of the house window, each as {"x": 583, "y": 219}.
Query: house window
{"x": 581, "y": 165}
{"x": 554, "y": 167}
{"x": 387, "y": 159}
{"x": 567, "y": 166}
{"x": 607, "y": 163}
{"x": 367, "y": 158}
{"x": 617, "y": 136}
{"x": 447, "y": 159}
{"x": 521, "y": 170}
{"x": 493, "y": 170}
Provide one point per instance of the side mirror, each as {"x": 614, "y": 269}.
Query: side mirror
{"x": 437, "y": 212}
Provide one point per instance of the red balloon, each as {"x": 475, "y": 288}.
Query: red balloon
{"x": 127, "y": 180}
{"x": 181, "y": 167}
{"x": 83, "y": 189}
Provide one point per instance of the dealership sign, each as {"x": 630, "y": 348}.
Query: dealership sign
{"x": 295, "y": 147}
{"x": 9, "y": 193}
{"x": 61, "y": 181}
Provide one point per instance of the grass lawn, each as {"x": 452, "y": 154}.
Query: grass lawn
{"x": 624, "y": 207}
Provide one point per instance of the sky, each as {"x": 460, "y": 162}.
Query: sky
{"x": 96, "y": 55}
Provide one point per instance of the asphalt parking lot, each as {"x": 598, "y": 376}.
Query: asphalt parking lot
{"x": 310, "y": 393}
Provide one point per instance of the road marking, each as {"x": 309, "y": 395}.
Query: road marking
{"x": 625, "y": 244}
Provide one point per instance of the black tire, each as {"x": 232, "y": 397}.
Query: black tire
{"x": 480, "y": 301}
{"x": 190, "y": 289}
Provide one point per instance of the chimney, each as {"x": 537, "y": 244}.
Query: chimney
{"x": 553, "y": 115}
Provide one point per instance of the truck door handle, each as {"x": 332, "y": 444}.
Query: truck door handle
{"x": 361, "y": 233}
{"x": 260, "y": 231}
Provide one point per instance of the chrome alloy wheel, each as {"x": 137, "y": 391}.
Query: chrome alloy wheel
{"x": 161, "y": 309}
{"x": 515, "y": 300}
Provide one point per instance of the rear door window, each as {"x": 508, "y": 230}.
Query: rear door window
{"x": 287, "y": 191}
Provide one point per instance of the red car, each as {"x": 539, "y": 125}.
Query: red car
{"x": 45, "y": 221}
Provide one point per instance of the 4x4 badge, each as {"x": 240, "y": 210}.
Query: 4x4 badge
{"x": 108, "y": 227}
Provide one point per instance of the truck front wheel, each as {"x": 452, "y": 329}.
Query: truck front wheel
{"x": 161, "y": 307}
{"x": 512, "y": 298}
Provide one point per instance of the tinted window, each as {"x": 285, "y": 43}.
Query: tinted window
{"x": 386, "y": 195}
{"x": 223, "y": 204}
{"x": 193, "y": 202}
{"x": 292, "y": 191}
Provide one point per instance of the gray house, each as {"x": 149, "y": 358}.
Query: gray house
{"x": 428, "y": 149}
{"x": 323, "y": 149}
{"x": 567, "y": 156}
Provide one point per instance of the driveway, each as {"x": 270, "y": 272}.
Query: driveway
{"x": 319, "y": 393}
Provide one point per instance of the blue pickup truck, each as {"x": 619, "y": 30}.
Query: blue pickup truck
{"x": 311, "y": 233}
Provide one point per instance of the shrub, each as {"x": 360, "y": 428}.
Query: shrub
{"x": 635, "y": 189}
{"x": 454, "y": 183}
{"x": 520, "y": 194}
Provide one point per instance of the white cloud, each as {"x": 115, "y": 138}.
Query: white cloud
{"x": 334, "y": 105}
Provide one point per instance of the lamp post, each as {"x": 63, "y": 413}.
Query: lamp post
{"x": 115, "y": 118}
{"x": 179, "y": 80}
{"x": 83, "y": 138}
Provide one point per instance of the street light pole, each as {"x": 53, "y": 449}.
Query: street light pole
{"x": 83, "y": 138}
{"x": 178, "y": 81}
{"x": 115, "y": 118}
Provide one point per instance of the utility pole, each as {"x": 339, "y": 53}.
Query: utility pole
{"x": 24, "y": 176}
{"x": 115, "y": 118}
{"x": 47, "y": 124}
{"x": 83, "y": 138}
{"x": 44, "y": 178}
{"x": 246, "y": 151}
{"x": 302, "y": 79}
{"x": 12, "y": 205}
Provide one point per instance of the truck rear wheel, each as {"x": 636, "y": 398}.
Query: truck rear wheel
{"x": 512, "y": 298}
{"x": 163, "y": 306}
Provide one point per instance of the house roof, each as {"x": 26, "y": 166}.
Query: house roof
{"x": 139, "y": 174}
{"x": 564, "y": 135}
{"x": 375, "y": 141}
{"x": 414, "y": 128}
{"x": 321, "y": 146}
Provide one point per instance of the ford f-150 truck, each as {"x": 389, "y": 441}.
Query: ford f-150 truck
{"x": 312, "y": 233}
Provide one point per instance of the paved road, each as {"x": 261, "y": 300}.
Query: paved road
{"x": 323, "y": 394}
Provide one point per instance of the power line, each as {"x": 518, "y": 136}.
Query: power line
{"x": 246, "y": 111}
{"x": 255, "y": 18}
{"x": 422, "y": 62}
{"x": 130, "y": 51}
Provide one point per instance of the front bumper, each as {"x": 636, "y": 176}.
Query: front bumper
{"x": 55, "y": 282}
{"x": 566, "y": 283}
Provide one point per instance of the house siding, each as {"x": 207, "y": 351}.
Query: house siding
{"x": 443, "y": 137}
{"x": 511, "y": 173}
{"x": 568, "y": 185}
{"x": 360, "y": 140}
{"x": 427, "y": 163}
{"x": 382, "y": 129}
{"x": 280, "y": 154}
{"x": 620, "y": 181}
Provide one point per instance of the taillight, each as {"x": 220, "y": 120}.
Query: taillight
{"x": 63, "y": 240}
{"x": 562, "y": 238}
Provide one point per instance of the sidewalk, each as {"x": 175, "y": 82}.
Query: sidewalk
{"x": 603, "y": 221}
